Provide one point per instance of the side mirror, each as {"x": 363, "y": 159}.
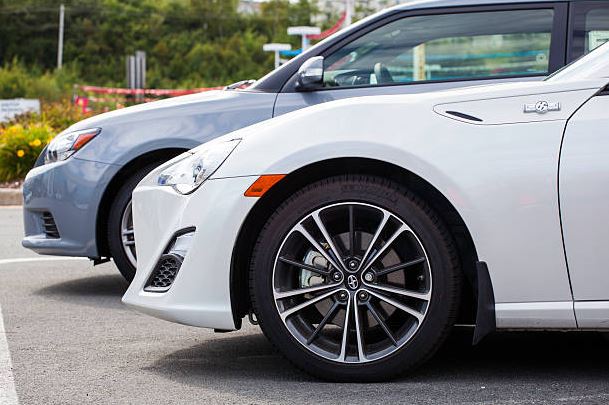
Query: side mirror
{"x": 310, "y": 74}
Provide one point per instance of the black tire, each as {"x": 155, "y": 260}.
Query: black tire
{"x": 444, "y": 268}
{"x": 114, "y": 236}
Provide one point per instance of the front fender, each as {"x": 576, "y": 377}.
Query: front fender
{"x": 501, "y": 179}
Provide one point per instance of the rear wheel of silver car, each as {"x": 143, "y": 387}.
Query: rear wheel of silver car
{"x": 354, "y": 278}
{"x": 121, "y": 238}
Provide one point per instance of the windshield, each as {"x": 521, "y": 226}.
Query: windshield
{"x": 591, "y": 66}
{"x": 316, "y": 49}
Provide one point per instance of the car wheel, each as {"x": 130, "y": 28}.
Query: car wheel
{"x": 121, "y": 239}
{"x": 354, "y": 278}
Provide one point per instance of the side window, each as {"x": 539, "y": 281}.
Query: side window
{"x": 590, "y": 27}
{"x": 475, "y": 45}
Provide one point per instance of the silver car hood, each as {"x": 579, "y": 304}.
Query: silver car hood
{"x": 169, "y": 106}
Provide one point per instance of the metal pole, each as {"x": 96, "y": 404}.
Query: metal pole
{"x": 276, "y": 48}
{"x": 140, "y": 57}
{"x": 131, "y": 64}
{"x": 349, "y": 11}
{"x": 128, "y": 76}
{"x": 62, "y": 10}
{"x": 305, "y": 42}
{"x": 419, "y": 63}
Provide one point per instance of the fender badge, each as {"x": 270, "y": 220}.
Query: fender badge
{"x": 541, "y": 107}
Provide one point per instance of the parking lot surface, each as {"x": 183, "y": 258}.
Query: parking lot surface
{"x": 72, "y": 341}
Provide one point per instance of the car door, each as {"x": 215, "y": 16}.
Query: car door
{"x": 584, "y": 207}
{"x": 584, "y": 179}
{"x": 439, "y": 49}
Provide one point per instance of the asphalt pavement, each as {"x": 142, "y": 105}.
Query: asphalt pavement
{"x": 70, "y": 340}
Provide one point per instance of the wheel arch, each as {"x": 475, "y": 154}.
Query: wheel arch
{"x": 158, "y": 155}
{"x": 257, "y": 217}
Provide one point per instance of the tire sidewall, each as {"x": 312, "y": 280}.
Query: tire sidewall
{"x": 405, "y": 206}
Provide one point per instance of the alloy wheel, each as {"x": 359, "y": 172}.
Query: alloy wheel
{"x": 352, "y": 282}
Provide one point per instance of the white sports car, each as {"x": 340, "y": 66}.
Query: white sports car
{"x": 358, "y": 232}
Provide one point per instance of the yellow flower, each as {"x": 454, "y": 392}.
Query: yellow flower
{"x": 14, "y": 130}
{"x": 36, "y": 142}
{"x": 20, "y": 153}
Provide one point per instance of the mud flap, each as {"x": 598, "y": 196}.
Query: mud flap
{"x": 485, "y": 311}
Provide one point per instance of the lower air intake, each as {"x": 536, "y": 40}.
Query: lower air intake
{"x": 50, "y": 228}
{"x": 164, "y": 273}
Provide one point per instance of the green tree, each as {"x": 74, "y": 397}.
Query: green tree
{"x": 188, "y": 42}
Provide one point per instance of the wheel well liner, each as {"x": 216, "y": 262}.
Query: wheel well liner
{"x": 256, "y": 219}
{"x": 159, "y": 155}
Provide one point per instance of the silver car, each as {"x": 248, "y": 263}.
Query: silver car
{"x": 78, "y": 197}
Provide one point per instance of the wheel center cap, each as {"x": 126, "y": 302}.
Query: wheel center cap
{"x": 352, "y": 282}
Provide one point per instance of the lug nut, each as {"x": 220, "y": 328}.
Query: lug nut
{"x": 362, "y": 295}
{"x": 368, "y": 277}
{"x": 352, "y": 264}
{"x": 343, "y": 295}
{"x": 336, "y": 276}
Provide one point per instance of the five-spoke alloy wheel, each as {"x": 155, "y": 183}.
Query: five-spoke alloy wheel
{"x": 355, "y": 279}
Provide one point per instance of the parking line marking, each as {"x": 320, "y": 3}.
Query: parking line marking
{"x": 8, "y": 393}
{"x": 41, "y": 259}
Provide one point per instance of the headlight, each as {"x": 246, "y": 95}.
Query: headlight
{"x": 186, "y": 175}
{"x": 66, "y": 144}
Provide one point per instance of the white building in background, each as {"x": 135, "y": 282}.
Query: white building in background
{"x": 248, "y": 6}
{"x": 364, "y": 6}
{"x": 361, "y": 8}
{"x": 329, "y": 6}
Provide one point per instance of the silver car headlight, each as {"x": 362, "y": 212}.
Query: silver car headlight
{"x": 66, "y": 144}
{"x": 186, "y": 175}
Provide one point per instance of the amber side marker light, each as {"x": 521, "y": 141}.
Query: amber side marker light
{"x": 263, "y": 184}
{"x": 83, "y": 139}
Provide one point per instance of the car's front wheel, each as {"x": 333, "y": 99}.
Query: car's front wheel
{"x": 354, "y": 278}
{"x": 121, "y": 238}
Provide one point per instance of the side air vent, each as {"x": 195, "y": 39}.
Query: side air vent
{"x": 463, "y": 116}
{"x": 50, "y": 228}
{"x": 164, "y": 273}
{"x": 166, "y": 270}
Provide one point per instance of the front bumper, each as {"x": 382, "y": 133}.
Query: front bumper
{"x": 70, "y": 191}
{"x": 200, "y": 294}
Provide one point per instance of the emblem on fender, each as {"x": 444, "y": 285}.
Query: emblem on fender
{"x": 541, "y": 107}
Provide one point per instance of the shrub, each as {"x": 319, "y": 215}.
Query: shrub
{"x": 16, "y": 81}
{"x": 20, "y": 146}
{"x": 60, "y": 115}
{"x": 23, "y": 138}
